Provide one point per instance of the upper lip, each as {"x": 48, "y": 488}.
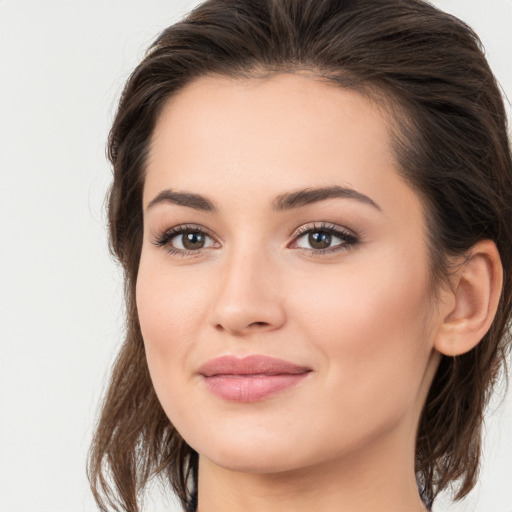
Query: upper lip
{"x": 250, "y": 365}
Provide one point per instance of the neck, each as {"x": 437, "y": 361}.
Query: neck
{"x": 381, "y": 477}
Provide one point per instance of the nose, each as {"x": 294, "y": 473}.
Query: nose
{"x": 249, "y": 297}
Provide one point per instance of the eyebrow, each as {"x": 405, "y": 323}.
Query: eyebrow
{"x": 308, "y": 196}
{"x": 195, "y": 201}
{"x": 287, "y": 201}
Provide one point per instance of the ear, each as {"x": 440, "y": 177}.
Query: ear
{"x": 469, "y": 306}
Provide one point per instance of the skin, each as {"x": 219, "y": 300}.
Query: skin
{"x": 361, "y": 316}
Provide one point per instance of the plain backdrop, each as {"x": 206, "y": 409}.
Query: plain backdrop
{"x": 62, "y": 67}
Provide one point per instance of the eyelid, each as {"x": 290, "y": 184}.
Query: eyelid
{"x": 322, "y": 226}
{"x": 349, "y": 237}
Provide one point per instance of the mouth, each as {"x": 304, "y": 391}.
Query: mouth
{"x": 251, "y": 378}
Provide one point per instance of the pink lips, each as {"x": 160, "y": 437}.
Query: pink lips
{"x": 251, "y": 378}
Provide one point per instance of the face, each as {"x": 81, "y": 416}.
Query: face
{"x": 283, "y": 290}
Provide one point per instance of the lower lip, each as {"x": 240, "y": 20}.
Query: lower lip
{"x": 250, "y": 388}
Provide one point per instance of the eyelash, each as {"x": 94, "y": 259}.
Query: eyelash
{"x": 164, "y": 240}
{"x": 349, "y": 239}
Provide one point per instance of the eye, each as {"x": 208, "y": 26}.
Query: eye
{"x": 185, "y": 240}
{"x": 324, "y": 238}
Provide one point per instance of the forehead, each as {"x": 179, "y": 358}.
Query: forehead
{"x": 276, "y": 110}
{"x": 266, "y": 136}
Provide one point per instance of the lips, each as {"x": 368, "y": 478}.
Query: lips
{"x": 251, "y": 378}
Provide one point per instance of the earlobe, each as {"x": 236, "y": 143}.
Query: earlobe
{"x": 471, "y": 304}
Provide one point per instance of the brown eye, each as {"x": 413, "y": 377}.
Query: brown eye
{"x": 193, "y": 240}
{"x": 325, "y": 238}
{"x": 319, "y": 239}
{"x": 185, "y": 240}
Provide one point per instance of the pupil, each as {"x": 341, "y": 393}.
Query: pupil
{"x": 193, "y": 240}
{"x": 320, "y": 240}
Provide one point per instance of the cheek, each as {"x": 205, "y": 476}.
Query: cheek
{"x": 169, "y": 315}
{"x": 372, "y": 327}
{"x": 166, "y": 301}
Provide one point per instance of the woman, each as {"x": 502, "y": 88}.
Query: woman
{"x": 311, "y": 202}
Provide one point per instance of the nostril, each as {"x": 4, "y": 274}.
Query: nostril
{"x": 253, "y": 325}
{"x": 258, "y": 324}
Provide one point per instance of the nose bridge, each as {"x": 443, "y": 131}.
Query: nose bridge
{"x": 248, "y": 295}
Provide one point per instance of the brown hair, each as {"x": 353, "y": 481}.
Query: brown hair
{"x": 450, "y": 139}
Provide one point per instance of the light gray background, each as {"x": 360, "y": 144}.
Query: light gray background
{"x": 62, "y": 66}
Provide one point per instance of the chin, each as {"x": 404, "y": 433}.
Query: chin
{"x": 254, "y": 455}
{"x": 254, "y": 463}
